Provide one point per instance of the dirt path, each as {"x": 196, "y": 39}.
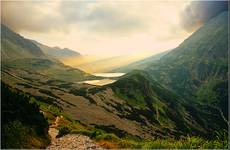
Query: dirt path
{"x": 69, "y": 141}
{"x": 53, "y": 132}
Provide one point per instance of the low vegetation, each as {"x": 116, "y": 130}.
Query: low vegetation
{"x": 110, "y": 140}
{"x": 23, "y": 126}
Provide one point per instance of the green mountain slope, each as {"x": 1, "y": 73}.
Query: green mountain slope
{"x": 169, "y": 114}
{"x": 108, "y": 115}
{"x": 49, "y": 68}
{"x": 14, "y": 46}
{"x": 141, "y": 64}
{"x": 56, "y": 51}
{"x": 20, "y": 53}
{"x": 185, "y": 92}
{"x": 198, "y": 66}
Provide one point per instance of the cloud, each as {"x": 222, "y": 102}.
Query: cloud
{"x": 107, "y": 20}
{"x": 101, "y": 17}
{"x": 30, "y": 16}
{"x": 199, "y": 12}
{"x": 98, "y": 27}
{"x": 52, "y": 16}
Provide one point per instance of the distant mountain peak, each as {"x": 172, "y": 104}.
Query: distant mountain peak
{"x": 56, "y": 51}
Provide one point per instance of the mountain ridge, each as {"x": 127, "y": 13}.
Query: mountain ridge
{"x": 139, "y": 89}
{"x": 198, "y": 63}
{"x": 11, "y": 40}
{"x": 21, "y": 53}
{"x": 56, "y": 51}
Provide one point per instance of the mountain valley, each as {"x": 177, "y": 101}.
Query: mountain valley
{"x": 176, "y": 95}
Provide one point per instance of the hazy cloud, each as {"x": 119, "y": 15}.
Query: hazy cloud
{"x": 199, "y": 12}
{"x": 100, "y": 16}
{"x": 46, "y": 16}
{"x": 30, "y": 16}
{"x": 98, "y": 27}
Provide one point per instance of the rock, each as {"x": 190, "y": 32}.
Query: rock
{"x": 73, "y": 141}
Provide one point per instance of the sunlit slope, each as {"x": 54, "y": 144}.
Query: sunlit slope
{"x": 198, "y": 68}
{"x": 94, "y": 64}
{"x": 140, "y": 64}
{"x": 20, "y": 53}
{"x": 80, "y": 60}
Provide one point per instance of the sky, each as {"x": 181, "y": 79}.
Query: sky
{"x": 108, "y": 27}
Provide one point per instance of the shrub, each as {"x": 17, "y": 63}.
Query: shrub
{"x": 14, "y": 135}
{"x": 63, "y": 130}
{"x": 21, "y": 121}
{"x": 107, "y": 136}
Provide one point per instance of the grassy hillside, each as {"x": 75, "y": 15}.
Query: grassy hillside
{"x": 50, "y": 68}
{"x": 23, "y": 126}
{"x": 197, "y": 68}
{"x": 20, "y": 53}
{"x": 14, "y": 46}
{"x": 170, "y": 113}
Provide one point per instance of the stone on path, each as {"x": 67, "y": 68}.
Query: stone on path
{"x": 71, "y": 141}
